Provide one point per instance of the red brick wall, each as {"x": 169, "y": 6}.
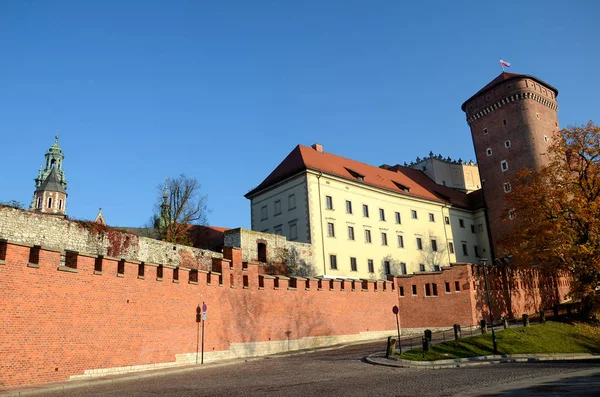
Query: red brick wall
{"x": 443, "y": 310}
{"x": 55, "y": 324}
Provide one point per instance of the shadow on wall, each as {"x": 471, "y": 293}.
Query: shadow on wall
{"x": 289, "y": 262}
{"x": 514, "y": 291}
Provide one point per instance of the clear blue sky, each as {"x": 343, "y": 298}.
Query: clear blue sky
{"x": 223, "y": 90}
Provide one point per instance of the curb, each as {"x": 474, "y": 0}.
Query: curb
{"x": 380, "y": 359}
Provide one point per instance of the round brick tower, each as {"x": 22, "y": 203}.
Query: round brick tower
{"x": 513, "y": 119}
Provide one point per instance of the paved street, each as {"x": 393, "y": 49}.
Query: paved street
{"x": 343, "y": 372}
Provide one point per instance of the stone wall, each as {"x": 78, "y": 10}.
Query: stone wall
{"x": 58, "y": 234}
{"x": 277, "y": 247}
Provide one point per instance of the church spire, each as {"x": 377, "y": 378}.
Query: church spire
{"x": 50, "y": 195}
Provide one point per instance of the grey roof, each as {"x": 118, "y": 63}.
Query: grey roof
{"x": 52, "y": 183}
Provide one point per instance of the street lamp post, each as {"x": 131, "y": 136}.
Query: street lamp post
{"x": 487, "y": 291}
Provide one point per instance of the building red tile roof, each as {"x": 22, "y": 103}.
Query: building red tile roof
{"x": 398, "y": 179}
{"x": 501, "y": 78}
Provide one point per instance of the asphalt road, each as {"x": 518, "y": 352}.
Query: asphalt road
{"x": 343, "y": 372}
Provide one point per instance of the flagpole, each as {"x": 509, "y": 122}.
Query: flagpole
{"x": 501, "y": 65}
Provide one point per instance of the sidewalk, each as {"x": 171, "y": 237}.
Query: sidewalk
{"x": 72, "y": 384}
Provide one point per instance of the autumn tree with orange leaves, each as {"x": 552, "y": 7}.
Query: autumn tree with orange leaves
{"x": 556, "y": 222}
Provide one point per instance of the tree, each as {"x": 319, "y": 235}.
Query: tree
{"x": 13, "y": 204}
{"x": 179, "y": 205}
{"x": 556, "y": 213}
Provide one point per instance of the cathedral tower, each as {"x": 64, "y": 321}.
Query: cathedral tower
{"x": 513, "y": 120}
{"x": 50, "y": 195}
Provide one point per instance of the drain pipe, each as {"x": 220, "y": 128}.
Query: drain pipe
{"x": 321, "y": 222}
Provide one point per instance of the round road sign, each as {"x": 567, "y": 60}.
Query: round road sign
{"x": 395, "y": 309}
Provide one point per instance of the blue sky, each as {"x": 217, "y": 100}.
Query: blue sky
{"x": 223, "y": 91}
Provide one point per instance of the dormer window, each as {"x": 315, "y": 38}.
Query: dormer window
{"x": 401, "y": 186}
{"x": 356, "y": 175}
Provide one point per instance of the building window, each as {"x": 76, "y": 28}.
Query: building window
{"x": 504, "y": 165}
{"x": 413, "y": 214}
{"x": 507, "y": 144}
{"x": 333, "y": 262}
{"x": 512, "y": 214}
{"x": 34, "y": 255}
{"x": 485, "y": 131}
{"x": 434, "y": 288}
{"x": 447, "y": 220}
{"x": 464, "y": 248}
{"x": 398, "y": 218}
{"x": 367, "y": 236}
{"x": 461, "y": 222}
{"x": 365, "y": 210}
{"x": 457, "y": 286}
{"x": 381, "y": 214}
{"x": 278, "y": 230}
{"x": 293, "y": 230}
{"x": 277, "y": 207}
{"x": 431, "y": 217}
{"x": 403, "y": 267}
{"x": 472, "y": 228}
{"x": 330, "y": 229}
{"x": 49, "y": 202}
{"x": 328, "y": 202}
{"x": 351, "y": 233}
{"x": 401, "y": 291}
{"x": 383, "y": 238}
{"x": 419, "y": 243}
{"x": 545, "y": 138}
{"x": 264, "y": 213}
{"x": 39, "y": 202}
{"x": 400, "y": 241}
{"x": 451, "y": 247}
{"x": 476, "y": 249}
{"x": 421, "y": 267}
{"x": 60, "y": 204}
{"x": 427, "y": 289}
{"x": 507, "y": 187}
{"x": 488, "y": 151}
{"x": 414, "y": 290}
{"x": 348, "y": 207}
{"x": 291, "y": 202}
{"x": 433, "y": 245}
{"x": 370, "y": 265}
{"x": 387, "y": 268}
{"x": 353, "y": 266}
{"x": 504, "y": 122}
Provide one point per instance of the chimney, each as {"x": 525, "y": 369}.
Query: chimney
{"x": 318, "y": 147}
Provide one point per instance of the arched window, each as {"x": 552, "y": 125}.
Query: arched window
{"x": 60, "y": 204}
{"x": 52, "y": 163}
{"x": 49, "y": 202}
{"x": 39, "y": 202}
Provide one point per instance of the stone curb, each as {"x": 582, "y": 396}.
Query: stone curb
{"x": 123, "y": 377}
{"x": 380, "y": 359}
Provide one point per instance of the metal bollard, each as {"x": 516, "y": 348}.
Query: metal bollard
{"x": 457, "y": 332}
{"x": 505, "y": 322}
{"x": 525, "y": 320}
{"x": 483, "y": 326}
{"x": 542, "y": 317}
{"x": 428, "y": 334}
{"x": 391, "y": 346}
{"x": 426, "y": 344}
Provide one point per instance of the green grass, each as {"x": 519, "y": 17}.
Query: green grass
{"x": 544, "y": 338}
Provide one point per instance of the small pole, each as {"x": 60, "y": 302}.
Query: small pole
{"x": 490, "y": 308}
{"x": 501, "y": 65}
{"x": 202, "y": 362}
{"x": 197, "y": 331}
{"x": 396, "y": 310}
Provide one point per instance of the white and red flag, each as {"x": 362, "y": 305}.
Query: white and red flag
{"x": 504, "y": 63}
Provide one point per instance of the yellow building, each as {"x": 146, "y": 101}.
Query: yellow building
{"x": 365, "y": 221}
